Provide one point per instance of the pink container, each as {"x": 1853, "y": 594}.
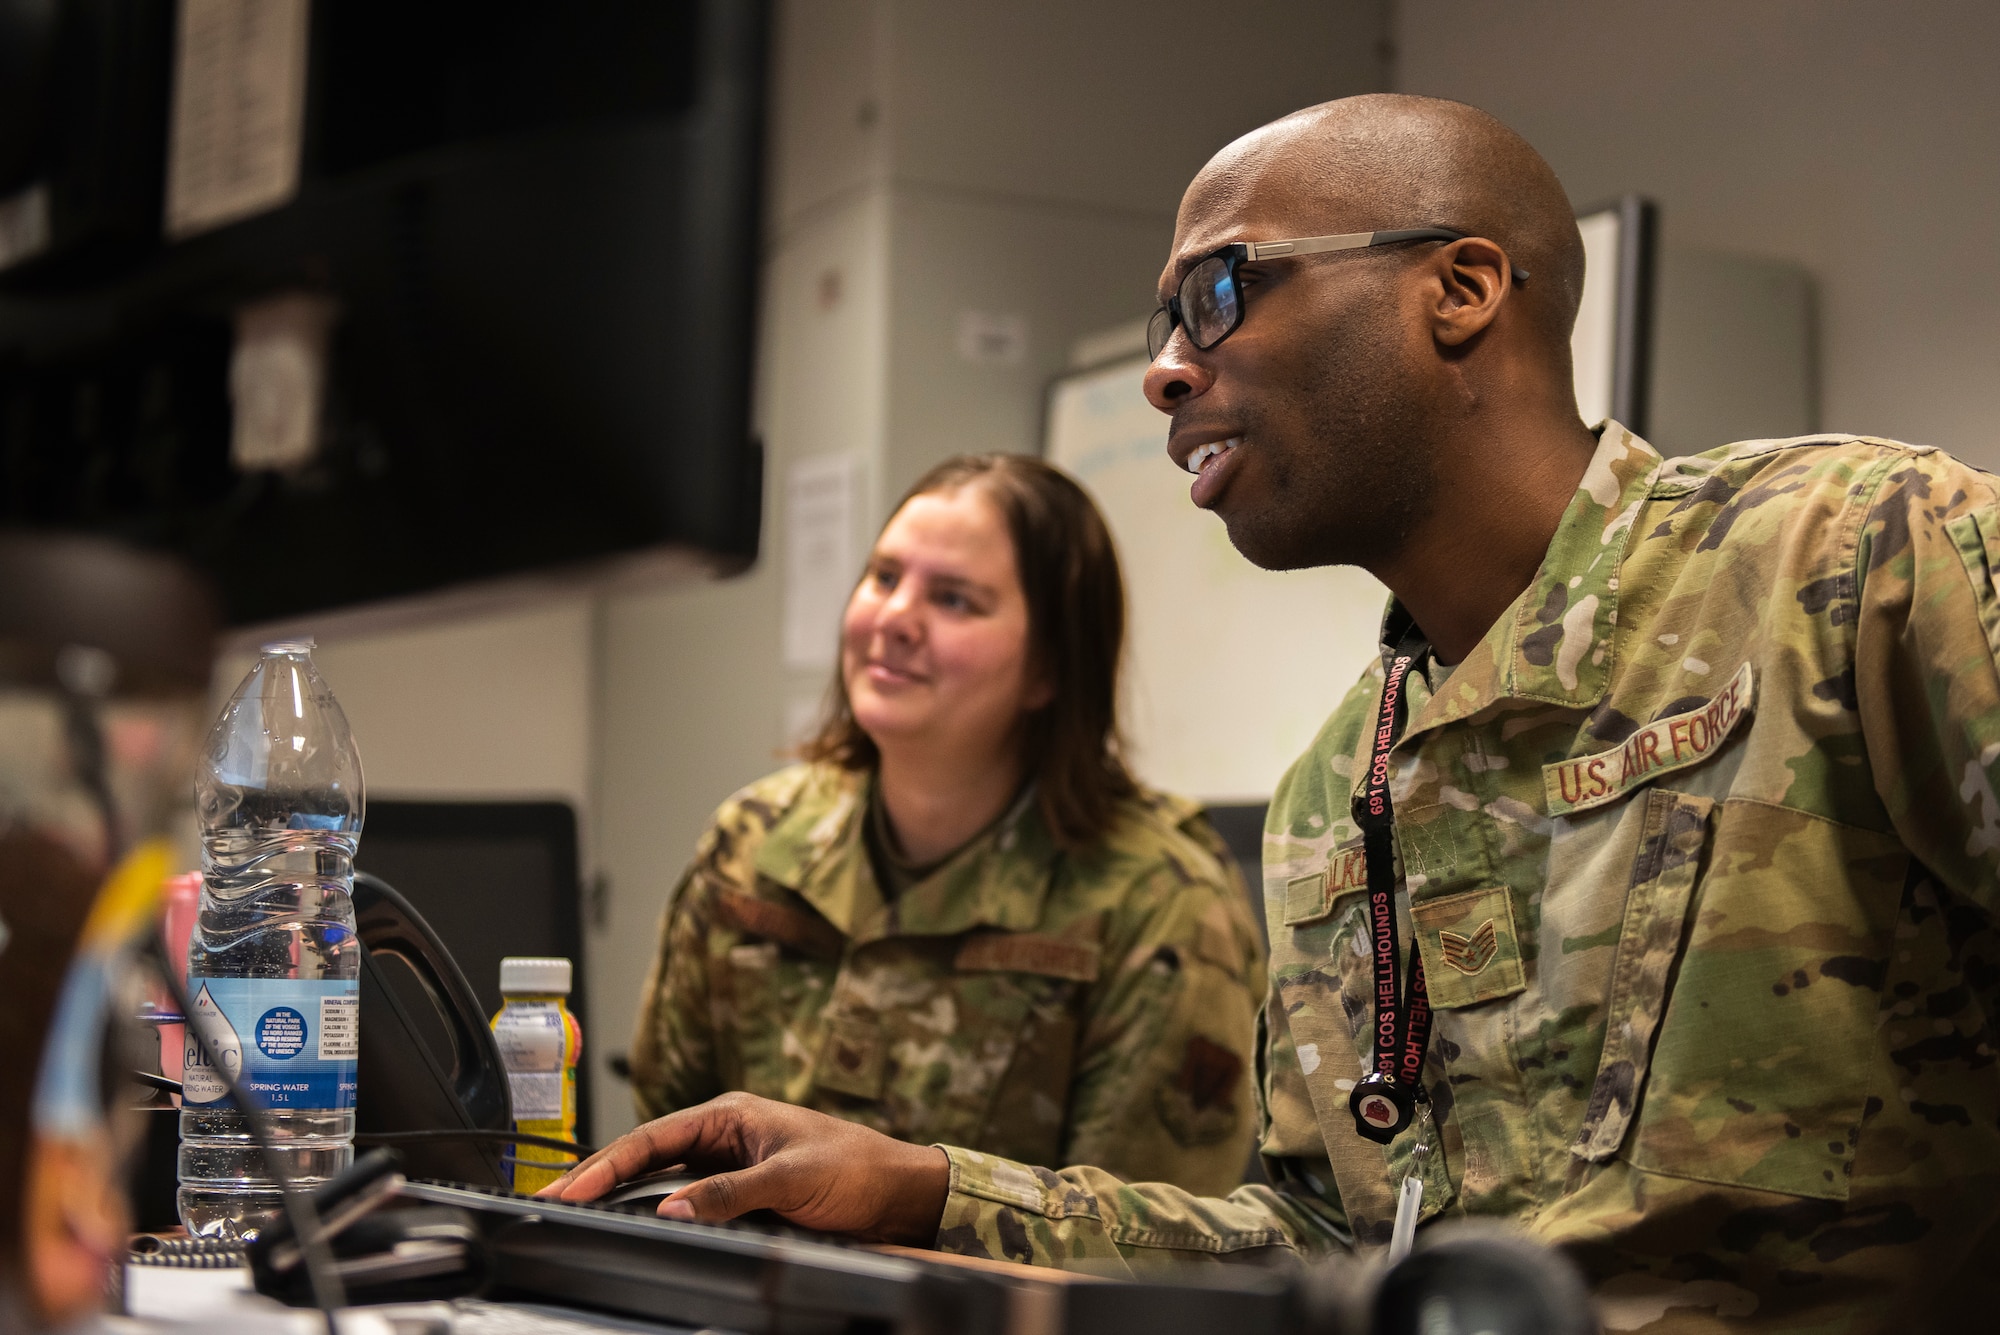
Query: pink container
{"x": 178, "y": 912}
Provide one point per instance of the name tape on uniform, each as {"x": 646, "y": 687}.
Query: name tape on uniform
{"x": 1310, "y": 898}
{"x": 1667, "y": 744}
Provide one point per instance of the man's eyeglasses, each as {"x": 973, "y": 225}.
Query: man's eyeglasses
{"x": 1209, "y": 304}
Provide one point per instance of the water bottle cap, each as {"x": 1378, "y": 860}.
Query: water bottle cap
{"x": 533, "y": 974}
{"x": 302, "y": 644}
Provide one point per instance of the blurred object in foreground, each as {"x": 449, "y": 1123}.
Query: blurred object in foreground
{"x": 104, "y": 658}
{"x": 177, "y": 915}
{"x": 104, "y": 662}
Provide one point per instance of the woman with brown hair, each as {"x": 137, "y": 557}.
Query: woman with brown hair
{"x": 960, "y": 919}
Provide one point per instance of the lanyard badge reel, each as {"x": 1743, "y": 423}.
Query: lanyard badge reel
{"x": 1391, "y": 1096}
{"x": 1385, "y": 1101}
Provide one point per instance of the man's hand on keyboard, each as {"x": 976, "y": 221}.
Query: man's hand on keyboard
{"x": 814, "y": 1170}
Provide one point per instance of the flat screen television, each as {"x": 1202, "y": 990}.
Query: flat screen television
{"x": 348, "y": 300}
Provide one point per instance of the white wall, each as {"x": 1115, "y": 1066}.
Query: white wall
{"x": 1735, "y": 350}
{"x": 1860, "y": 140}
{"x": 1111, "y": 103}
{"x": 495, "y": 707}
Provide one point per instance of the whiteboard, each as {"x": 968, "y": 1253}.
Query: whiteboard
{"x": 1611, "y": 345}
{"x": 1231, "y": 670}
{"x": 1593, "y": 342}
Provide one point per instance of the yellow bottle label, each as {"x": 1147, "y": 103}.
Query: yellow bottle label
{"x": 540, "y": 1044}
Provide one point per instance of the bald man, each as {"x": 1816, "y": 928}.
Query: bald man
{"x": 1642, "y": 892}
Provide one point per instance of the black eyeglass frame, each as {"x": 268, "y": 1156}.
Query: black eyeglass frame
{"x": 1245, "y": 252}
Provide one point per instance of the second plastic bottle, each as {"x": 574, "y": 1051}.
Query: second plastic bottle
{"x": 273, "y": 966}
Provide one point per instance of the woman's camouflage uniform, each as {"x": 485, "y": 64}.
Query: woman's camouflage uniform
{"x": 1095, "y": 1007}
{"x": 1702, "y": 849}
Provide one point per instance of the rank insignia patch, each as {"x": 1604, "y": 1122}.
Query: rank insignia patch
{"x": 1471, "y": 954}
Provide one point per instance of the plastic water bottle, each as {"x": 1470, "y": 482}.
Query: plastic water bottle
{"x": 273, "y": 966}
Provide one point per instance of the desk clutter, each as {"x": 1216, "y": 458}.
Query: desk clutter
{"x": 394, "y": 1241}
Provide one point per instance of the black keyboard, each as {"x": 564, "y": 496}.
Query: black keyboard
{"x": 758, "y": 1277}
{"x": 765, "y": 1279}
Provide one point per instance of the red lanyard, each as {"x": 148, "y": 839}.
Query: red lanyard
{"x": 1385, "y": 1100}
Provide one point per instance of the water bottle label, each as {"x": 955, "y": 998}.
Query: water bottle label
{"x": 293, "y": 1043}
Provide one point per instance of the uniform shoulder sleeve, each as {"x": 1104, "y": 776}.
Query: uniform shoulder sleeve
{"x": 675, "y": 1061}
{"x": 1184, "y": 816}
{"x": 756, "y": 807}
{"x": 1927, "y": 661}
{"x": 673, "y": 1044}
{"x": 1162, "y": 1088}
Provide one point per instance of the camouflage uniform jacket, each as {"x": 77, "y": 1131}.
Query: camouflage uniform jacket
{"x": 1095, "y": 1007}
{"x": 1700, "y": 848}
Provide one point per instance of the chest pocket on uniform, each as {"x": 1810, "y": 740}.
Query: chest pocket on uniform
{"x": 1672, "y": 839}
{"x": 1776, "y": 930}
{"x": 769, "y": 990}
{"x": 1026, "y": 1107}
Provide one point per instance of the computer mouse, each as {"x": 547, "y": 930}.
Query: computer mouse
{"x": 642, "y": 1195}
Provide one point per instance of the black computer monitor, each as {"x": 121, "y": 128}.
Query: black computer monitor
{"x": 491, "y": 879}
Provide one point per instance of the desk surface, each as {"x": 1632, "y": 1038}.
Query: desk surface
{"x": 165, "y": 1300}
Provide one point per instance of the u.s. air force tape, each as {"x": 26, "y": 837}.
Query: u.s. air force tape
{"x": 1659, "y": 747}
